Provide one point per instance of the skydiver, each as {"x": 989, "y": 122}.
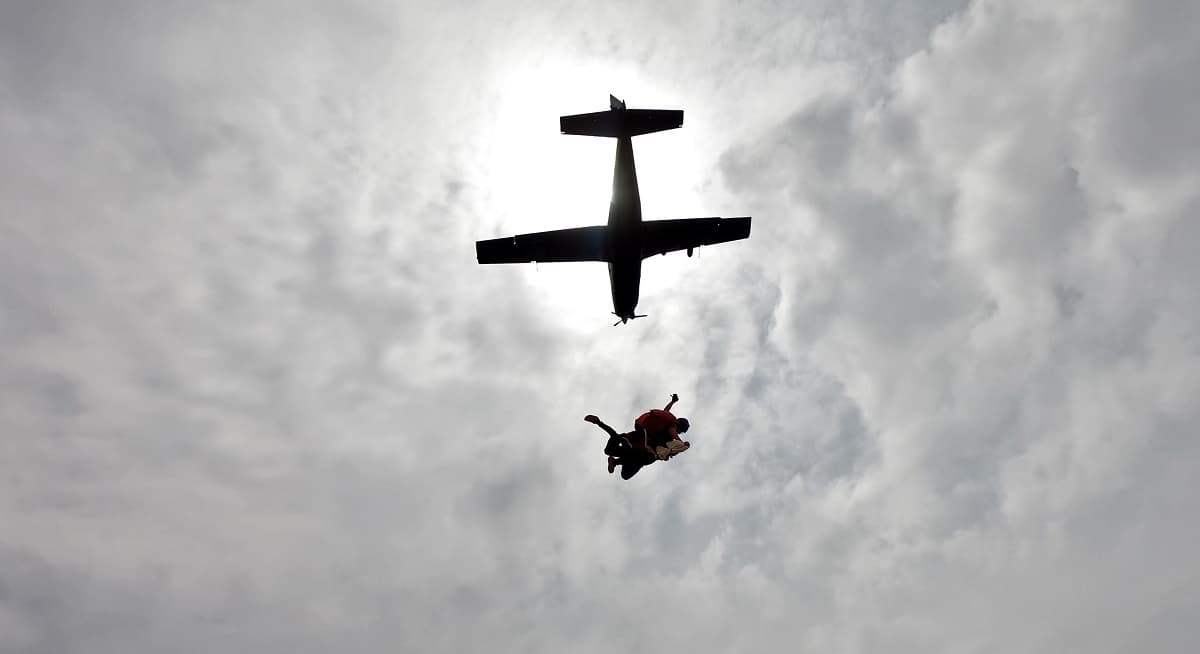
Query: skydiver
{"x": 626, "y": 450}
{"x": 660, "y": 429}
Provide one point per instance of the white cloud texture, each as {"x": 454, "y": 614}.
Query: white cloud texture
{"x": 258, "y": 396}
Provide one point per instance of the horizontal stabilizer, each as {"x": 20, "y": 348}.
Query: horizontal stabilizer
{"x": 621, "y": 122}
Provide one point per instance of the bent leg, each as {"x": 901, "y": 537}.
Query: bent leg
{"x": 637, "y": 460}
{"x": 630, "y": 467}
{"x": 599, "y": 423}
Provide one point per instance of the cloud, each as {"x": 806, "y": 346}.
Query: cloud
{"x": 981, "y": 309}
{"x": 258, "y": 396}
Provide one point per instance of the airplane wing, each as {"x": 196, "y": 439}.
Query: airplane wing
{"x": 663, "y": 236}
{"x": 577, "y": 244}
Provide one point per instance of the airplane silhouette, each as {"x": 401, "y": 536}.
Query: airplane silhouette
{"x": 627, "y": 239}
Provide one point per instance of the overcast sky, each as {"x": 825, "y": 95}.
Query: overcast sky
{"x": 256, "y": 395}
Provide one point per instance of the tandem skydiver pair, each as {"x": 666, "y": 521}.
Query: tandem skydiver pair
{"x": 655, "y": 437}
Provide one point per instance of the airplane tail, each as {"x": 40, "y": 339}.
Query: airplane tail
{"x": 620, "y": 121}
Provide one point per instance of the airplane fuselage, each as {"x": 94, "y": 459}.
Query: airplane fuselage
{"x": 624, "y": 233}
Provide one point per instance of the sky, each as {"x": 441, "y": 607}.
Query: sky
{"x": 256, "y": 394}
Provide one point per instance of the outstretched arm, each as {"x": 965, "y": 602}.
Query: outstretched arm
{"x": 674, "y": 399}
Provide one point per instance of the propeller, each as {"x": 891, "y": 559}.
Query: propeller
{"x": 623, "y": 318}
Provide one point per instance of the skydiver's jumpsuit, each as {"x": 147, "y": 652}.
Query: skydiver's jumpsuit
{"x": 627, "y": 450}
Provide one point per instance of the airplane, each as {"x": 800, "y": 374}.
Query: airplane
{"x": 627, "y": 239}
